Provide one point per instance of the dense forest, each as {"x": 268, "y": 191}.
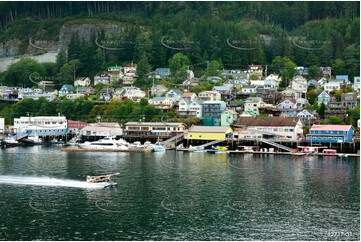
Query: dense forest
{"x": 234, "y": 34}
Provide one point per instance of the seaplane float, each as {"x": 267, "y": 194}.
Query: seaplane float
{"x": 104, "y": 179}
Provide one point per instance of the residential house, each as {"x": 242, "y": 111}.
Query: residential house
{"x": 356, "y": 84}
{"x": 213, "y": 79}
{"x": 102, "y": 129}
{"x": 102, "y": 78}
{"x": 134, "y": 93}
{"x": 207, "y": 133}
{"x": 299, "y": 83}
{"x": 224, "y": 90}
{"x": 252, "y": 104}
{"x": 344, "y": 78}
{"x": 155, "y": 130}
{"x": 307, "y": 117}
{"x": 130, "y": 68}
{"x": 82, "y": 82}
{"x": 209, "y": 96}
{"x": 257, "y": 83}
{"x": 301, "y": 103}
{"x": 212, "y": 111}
{"x": 323, "y": 97}
{"x": 236, "y": 105}
{"x": 189, "y": 95}
{"x": 314, "y": 83}
{"x": 269, "y": 95}
{"x": 66, "y": 89}
{"x": 331, "y": 86}
{"x": 73, "y": 96}
{"x": 326, "y": 71}
{"x": 228, "y": 117}
{"x": 161, "y": 102}
{"x": 114, "y": 69}
{"x": 255, "y": 69}
{"x": 159, "y": 73}
{"x": 290, "y": 94}
{"x": 287, "y": 127}
{"x": 235, "y": 74}
{"x": 190, "y": 82}
{"x": 106, "y": 93}
{"x": 335, "y": 108}
{"x": 128, "y": 80}
{"x": 288, "y": 108}
{"x": 349, "y": 100}
{"x": 330, "y": 134}
{"x": 158, "y": 90}
{"x": 189, "y": 108}
{"x": 174, "y": 94}
{"x": 85, "y": 90}
{"x": 248, "y": 89}
{"x": 302, "y": 70}
{"x": 273, "y": 84}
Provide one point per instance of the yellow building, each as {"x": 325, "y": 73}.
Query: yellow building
{"x": 207, "y": 133}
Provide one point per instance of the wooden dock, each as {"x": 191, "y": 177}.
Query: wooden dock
{"x": 77, "y": 149}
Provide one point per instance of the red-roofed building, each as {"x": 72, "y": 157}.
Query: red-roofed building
{"x": 75, "y": 126}
{"x": 330, "y": 134}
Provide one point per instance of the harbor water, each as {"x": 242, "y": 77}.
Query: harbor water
{"x": 177, "y": 196}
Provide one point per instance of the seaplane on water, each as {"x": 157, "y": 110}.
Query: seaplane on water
{"x": 106, "y": 179}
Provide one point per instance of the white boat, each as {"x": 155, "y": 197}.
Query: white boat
{"x": 9, "y": 142}
{"x": 136, "y": 144}
{"x": 158, "y": 148}
{"x": 107, "y": 143}
{"x": 33, "y": 140}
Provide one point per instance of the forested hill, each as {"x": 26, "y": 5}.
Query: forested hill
{"x": 234, "y": 34}
{"x": 287, "y": 14}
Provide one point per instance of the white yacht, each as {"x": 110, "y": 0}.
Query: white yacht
{"x": 107, "y": 143}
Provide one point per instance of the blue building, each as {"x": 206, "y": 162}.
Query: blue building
{"x": 330, "y": 134}
{"x": 212, "y": 112}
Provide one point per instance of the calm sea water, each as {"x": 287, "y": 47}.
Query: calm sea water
{"x": 177, "y": 196}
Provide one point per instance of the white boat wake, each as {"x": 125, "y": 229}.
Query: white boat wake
{"x": 49, "y": 181}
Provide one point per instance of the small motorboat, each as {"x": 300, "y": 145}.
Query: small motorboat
{"x": 158, "y": 148}
{"x": 103, "y": 178}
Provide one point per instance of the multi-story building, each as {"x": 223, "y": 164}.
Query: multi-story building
{"x": 212, "y": 111}
{"x": 162, "y": 130}
{"x": 286, "y": 127}
{"x": 330, "y": 134}
{"x": 349, "y": 100}
{"x": 252, "y": 104}
{"x": 207, "y": 133}
{"x": 209, "y": 96}
{"x": 41, "y": 125}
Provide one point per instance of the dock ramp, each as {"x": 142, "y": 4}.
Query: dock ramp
{"x": 276, "y": 145}
{"x": 213, "y": 142}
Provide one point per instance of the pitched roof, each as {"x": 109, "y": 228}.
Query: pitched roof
{"x": 331, "y": 127}
{"x": 267, "y": 121}
{"x": 209, "y": 129}
{"x": 188, "y": 94}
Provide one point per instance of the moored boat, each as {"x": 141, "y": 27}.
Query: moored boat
{"x": 107, "y": 143}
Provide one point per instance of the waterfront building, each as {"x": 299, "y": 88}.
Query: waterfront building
{"x": 41, "y": 125}
{"x": 284, "y": 127}
{"x": 75, "y": 126}
{"x": 228, "y": 117}
{"x": 102, "y": 129}
{"x": 212, "y": 111}
{"x": 330, "y": 134}
{"x": 207, "y": 133}
{"x": 161, "y": 130}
